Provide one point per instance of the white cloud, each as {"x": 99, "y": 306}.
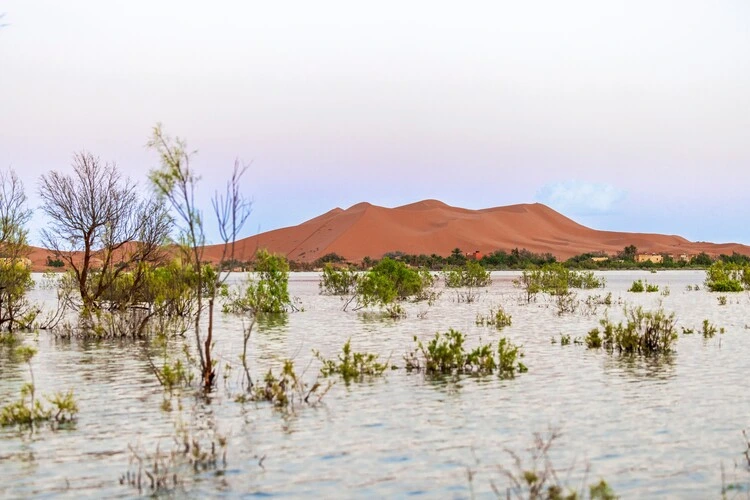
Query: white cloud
{"x": 581, "y": 198}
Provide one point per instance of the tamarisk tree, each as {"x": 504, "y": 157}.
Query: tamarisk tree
{"x": 175, "y": 182}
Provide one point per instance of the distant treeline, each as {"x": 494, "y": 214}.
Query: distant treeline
{"x": 518, "y": 259}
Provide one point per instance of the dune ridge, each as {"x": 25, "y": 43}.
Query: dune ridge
{"x": 431, "y": 226}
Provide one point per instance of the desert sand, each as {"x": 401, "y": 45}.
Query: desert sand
{"x": 430, "y": 226}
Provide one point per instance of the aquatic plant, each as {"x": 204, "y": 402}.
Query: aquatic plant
{"x": 637, "y": 287}
{"x": 351, "y": 365}
{"x": 175, "y": 182}
{"x": 391, "y": 281}
{"x": 170, "y": 472}
{"x": 471, "y": 274}
{"x": 727, "y": 277}
{"x": 445, "y": 354}
{"x": 29, "y": 410}
{"x": 556, "y": 279}
{"x": 496, "y": 317}
{"x": 710, "y": 330}
{"x": 339, "y": 281}
{"x": 287, "y": 390}
{"x": 537, "y": 479}
{"x": 645, "y": 332}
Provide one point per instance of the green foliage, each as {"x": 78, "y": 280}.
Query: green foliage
{"x": 29, "y": 410}
{"x": 628, "y": 253}
{"x": 645, "y": 332}
{"x": 15, "y": 281}
{"x": 516, "y": 259}
{"x": 497, "y": 318}
{"x": 341, "y": 281}
{"x": 555, "y": 279}
{"x": 269, "y": 293}
{"x": 727, "y": 277}
{"x": 702, "y": 259}
{"x": 471, "y": 274}
{"x": 391, "y": 280}
{"x": 508, "y": 364}
{"x": 722, "y": 300}
{"x": 25, "y": 411}
{"x": 351, "y": 365}
{"x": 54, "y": 262}
{"x": 287, "y": 390}
{"x": 710, "y": 330}
{"x": 593, "y": 339}
{"x": 637, "y": 287}
{"x": 640, "y": 286}
{"x": 445, "y": 354}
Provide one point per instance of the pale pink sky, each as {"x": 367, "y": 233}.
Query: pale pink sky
{"x": 628, "y": 115}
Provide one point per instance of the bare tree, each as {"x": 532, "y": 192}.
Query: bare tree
{"x": 176, "y": 182}
{"x": 99, "y": 225}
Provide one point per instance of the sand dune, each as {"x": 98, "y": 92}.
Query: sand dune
{"x": 430, "y": 226}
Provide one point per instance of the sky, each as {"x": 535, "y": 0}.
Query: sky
{"x": 623, "y": 115}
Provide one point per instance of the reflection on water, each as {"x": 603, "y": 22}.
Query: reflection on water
{"x": 652, "y": 426}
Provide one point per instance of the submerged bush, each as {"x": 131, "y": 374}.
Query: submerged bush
{"x": 639, "y": 286}
{"x": 339, "y": 281}
{"x": 29, "y": 410}
{"x": 710, "y": 330}
{"x": 727, "y": 277}
{"x": 471, "y": 274}
{"x": 351, "y": 365}
{"x": 540, "y": 480}
{"x": 497, "y": 318}
{"x": 556, "y": 279}
{"x": 445, "y": 354}
{"x": 269, "y": 293}
{"x": 391, "y": 281}
{"x": 645, "y": 332}
{"x": 287, "y": 390}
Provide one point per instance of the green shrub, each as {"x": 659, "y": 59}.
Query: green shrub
{"x": 268, "y": 294}
{"x": 471, "y": 274}
{"x": 710, "y": 330}
{"x": 351, "y": 365}
{"x": 445, "y": 354}
{"x": 338, "y": 281}
{"x": 727, "y": 277}
{"x": 637, "y": 287}
{"x": 390, "y": 281}
{"x": 29, "y": 410}
{"x": 556, "y": 279}
{"x": 497, "y": 318}
{"x": 54, "y": 262}
{"x": 645, "y": 332}
{"x": 287, "y": 390}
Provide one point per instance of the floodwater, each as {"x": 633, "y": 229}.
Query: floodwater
{"x": 652, "y": 427}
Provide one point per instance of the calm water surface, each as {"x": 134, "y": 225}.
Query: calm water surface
{"x": 656, "y": 428}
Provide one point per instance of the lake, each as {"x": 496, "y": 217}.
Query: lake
{"x": 652, "y": 427}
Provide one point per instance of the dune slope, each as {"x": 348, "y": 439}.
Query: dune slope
{"x": 430, "y": 226}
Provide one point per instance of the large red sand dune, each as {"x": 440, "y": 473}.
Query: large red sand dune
{"x": 430, "y": 226}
